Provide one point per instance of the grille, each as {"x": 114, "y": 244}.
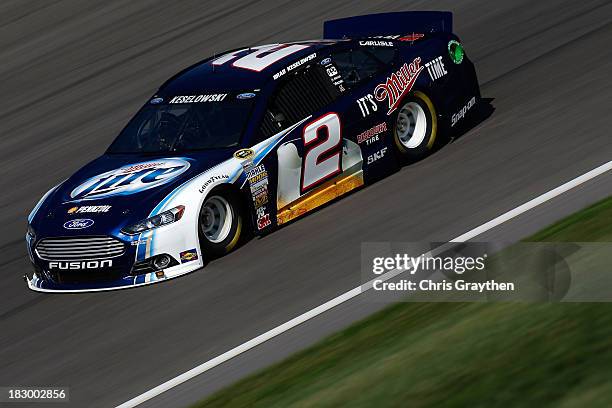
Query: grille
{"x": 86, "y": 275}
{"x": 79, "y": 248}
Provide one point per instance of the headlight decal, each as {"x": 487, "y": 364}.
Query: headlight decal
{"x": 156, "y": 221}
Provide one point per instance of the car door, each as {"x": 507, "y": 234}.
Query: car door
{"x": 314, "y": 160}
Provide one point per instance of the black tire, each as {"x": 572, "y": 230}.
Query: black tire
{"x": 229, "y": 235}
{"x": 417, "y": 110}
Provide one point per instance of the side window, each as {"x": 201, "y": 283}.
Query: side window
{"x": 360, "y": 64}
{"x": 299, "y": 95}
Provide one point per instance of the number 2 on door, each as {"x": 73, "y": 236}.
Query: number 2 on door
{"x": 322, "y": 151}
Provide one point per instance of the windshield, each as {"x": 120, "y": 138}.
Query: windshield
{"x": 186, "y": 122}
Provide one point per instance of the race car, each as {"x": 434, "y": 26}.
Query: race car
{"x": 249, "y": 140}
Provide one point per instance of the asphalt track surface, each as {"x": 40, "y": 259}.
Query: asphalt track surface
{"x": 72, "y": 73}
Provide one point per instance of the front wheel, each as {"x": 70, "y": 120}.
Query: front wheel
{"x": 416, "y": 127}
{"x": 220, "y": 224}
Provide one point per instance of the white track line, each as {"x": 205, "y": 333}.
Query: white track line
{"x": 202, "y": 368}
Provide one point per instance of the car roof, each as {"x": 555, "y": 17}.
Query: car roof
{"x": 219, "y": 73}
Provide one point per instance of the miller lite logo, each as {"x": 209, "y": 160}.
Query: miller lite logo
{"x": 398, "y": 84}
{"x": 130, "y": 179}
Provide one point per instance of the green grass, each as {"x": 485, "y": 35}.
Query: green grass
{"x": 450, "y": 354}
{"x": 593, "y": 224}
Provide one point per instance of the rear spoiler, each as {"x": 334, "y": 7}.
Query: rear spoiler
{"x": 401, "y": 23}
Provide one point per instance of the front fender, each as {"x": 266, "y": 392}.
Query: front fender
{"x": 41, "y": 202}
{"x": 183, "y": 236}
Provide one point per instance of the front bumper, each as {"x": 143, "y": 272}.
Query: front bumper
{"x": 69, "y": 264}
{"x": 48, "y": 286}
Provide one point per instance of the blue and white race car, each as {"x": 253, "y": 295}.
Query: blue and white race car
{"x": 247, "y": 141}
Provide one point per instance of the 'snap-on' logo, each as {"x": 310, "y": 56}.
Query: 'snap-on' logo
{"x": 398, "y": 84}
{"x": 130, "y": 179}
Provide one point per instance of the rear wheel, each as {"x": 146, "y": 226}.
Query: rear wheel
{"x": 416, "y": 127}
{"x": 220, "y": 224}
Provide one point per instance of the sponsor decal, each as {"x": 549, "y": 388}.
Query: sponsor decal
{"x": 295, "y": 65}
{"x": 377, "y": 156}
{"x": 436, "y": 69}
{"x": 408, "y": 37}
{"x": 130, "y": 179}
{"x": 258, "y": 182}
{"x": 366, "y": 103}
{"x": 140, "y": 166}
{"x": 244, "y": 154}
{"x": 260, "y": 197}
{"x": 81, "y": 264}
{"x": 333, "y": 74}
{"x": 398, "y": 84}
{"x": 140, "y": 241}
{"x": 246, "y": 95}
{"x": 257, "y": 174}
{"x": 246, "y": 165}
{"x": 260, "y": 187}
{"x": 387, "y": 37}
{"x": 156, "y": 101}
{"x": 198, "y": 98}
{"x": 325, "y": 61}
{"x": 455, "y": 51}
{"x": 461, "y": 114}
{"x": 255, "y": 171}
{"x": 411, "y": 37}
{"x": 212, "y": 179}
{"x": 189, "y": 255}
{"x": 376, "y": 43}
{"x": 371, "y": 135}
{"x": 263, "y": 221}
{"x": 263, "y": 218}
{"x": 89, "y": 209}
{"x": 80, "y": 223}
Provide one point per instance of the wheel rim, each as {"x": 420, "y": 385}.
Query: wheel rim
{"x": 216, "y": 219}
{"x": 411, "y": 125}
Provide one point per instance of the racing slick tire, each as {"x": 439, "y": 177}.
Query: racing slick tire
{"x": 415, "y": 127}
{"x": 220, "y": 223}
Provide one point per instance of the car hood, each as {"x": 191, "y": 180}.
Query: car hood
{"x": 116, "y": 190}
